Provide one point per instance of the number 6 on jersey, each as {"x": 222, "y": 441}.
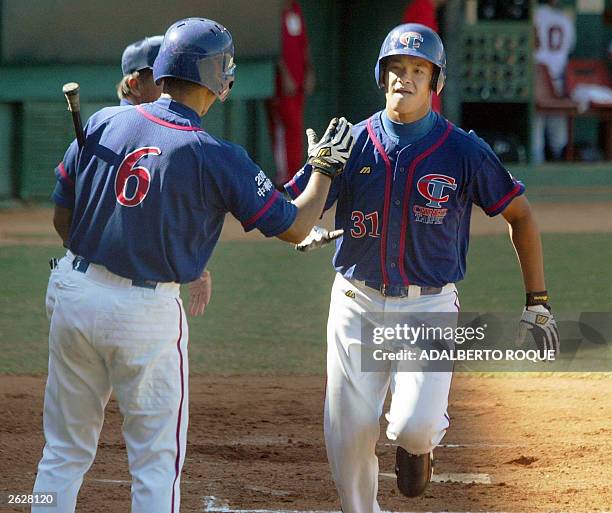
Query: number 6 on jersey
{"x": 127, "y": 170}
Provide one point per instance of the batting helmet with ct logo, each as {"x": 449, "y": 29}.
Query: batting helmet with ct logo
{"x": 416, "y": 40}
{"x": 198, "y": 50}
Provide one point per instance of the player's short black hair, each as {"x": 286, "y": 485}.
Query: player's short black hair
{"x": 170, "y": 84}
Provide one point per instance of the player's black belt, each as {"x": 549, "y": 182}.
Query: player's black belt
{"x": 396, "y": 291}
{"x": 81, "y": 265}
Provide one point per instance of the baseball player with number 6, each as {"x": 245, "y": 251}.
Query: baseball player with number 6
{"x": 136, "y": 87}
{"x": 404, "y": 202}
{"x": 141, "y": 206}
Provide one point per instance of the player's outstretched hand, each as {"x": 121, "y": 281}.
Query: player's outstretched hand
{"x": 539, "y": 320}
{"x": 317, "y": 238}
{"x": 200, "y": 291}
{"x": 329, "y": 154}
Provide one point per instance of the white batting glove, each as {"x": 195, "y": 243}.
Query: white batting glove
{"x": 329, "y": 154}
{"x": 317, "y": 238}
{"x": 539, "y": 320}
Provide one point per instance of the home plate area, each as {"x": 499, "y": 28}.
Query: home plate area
{"x": 214, "y": 504}
{"x": 509, "y": 449}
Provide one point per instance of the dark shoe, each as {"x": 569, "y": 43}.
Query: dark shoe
{"x": 413, "y": 472}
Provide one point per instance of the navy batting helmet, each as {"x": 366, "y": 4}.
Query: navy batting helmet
{"x": 198, "y": 50}
{"x": 416, "y": 40}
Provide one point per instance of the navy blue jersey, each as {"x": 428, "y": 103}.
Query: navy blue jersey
{"x": 405, "y": 210}
{"x": 150, "y": 190}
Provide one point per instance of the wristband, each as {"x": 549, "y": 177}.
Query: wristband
{"x": 330, "y": 173}
{"x": 536, "y": 298}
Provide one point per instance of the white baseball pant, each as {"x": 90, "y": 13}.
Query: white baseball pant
{"x": 109, "y": 335}
{"x": 64, "y": 265}
{"x": 417, "y": 419}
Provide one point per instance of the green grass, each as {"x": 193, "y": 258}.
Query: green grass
{"x": 591, "y": 194}
{"x": 269, "y": 305}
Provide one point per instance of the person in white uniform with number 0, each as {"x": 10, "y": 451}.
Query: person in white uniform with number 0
{"x": 555, "y": 39}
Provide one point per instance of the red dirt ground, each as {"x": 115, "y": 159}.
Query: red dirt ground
{"x": 257, "y": 442}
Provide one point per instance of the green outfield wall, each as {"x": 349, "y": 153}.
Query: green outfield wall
{"x": 345, "y": 37}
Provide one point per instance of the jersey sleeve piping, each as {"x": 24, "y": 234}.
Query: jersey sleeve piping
{"x": 250, "y": 222}
{"x": 499, "y": 207}
{"x": 293, "y": 189}
{"x": 64, "y": 175}
{"x": 277, "y": 230}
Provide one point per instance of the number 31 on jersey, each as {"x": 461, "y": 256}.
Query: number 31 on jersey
{"x": 364, "y": 224}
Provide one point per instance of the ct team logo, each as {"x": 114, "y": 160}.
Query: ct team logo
{"x": 411, "y": 40}
{"x": 433, "y": 187}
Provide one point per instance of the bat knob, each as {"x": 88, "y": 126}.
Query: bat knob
{"x": 70, "y": 89}
{"x": 71, "y": 92}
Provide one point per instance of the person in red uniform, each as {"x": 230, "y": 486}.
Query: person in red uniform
{"x": 424, "y": 12}
{"x": 294, "y": 80}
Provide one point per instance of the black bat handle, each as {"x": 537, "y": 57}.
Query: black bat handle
{"x": 71, "y": 92}
{"x": 78, "y": 128}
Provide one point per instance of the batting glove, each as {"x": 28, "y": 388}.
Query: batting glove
{"x": 329, "y": 155}
{"x": 539, "y": 320}
{"x": 317, "y": 238}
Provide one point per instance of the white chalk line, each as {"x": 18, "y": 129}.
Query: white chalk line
{"x": 214, "y": 505}
{"x": 452, "y": 477}
{"x": 253, "y": 441}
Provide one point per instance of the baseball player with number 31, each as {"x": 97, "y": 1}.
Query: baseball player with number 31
{"x": 404, "y": 202}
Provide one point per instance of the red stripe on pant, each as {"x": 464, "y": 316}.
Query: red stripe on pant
{"x": 177, "y": 461}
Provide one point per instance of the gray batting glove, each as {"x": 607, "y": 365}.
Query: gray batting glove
{"x": 317, "y": 238}
{"x": 329, "y": 155}
{"x": 539, "y": 320}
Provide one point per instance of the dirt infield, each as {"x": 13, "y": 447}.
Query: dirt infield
{"x": 544, "y": 443}
{"x": 33, "y": 225}
{"x": 536, "y": 444}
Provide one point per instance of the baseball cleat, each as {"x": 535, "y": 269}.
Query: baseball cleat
{"x": 413, "y": 471}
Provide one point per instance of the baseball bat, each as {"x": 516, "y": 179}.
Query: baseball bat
{"x": 71, "y": 92}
